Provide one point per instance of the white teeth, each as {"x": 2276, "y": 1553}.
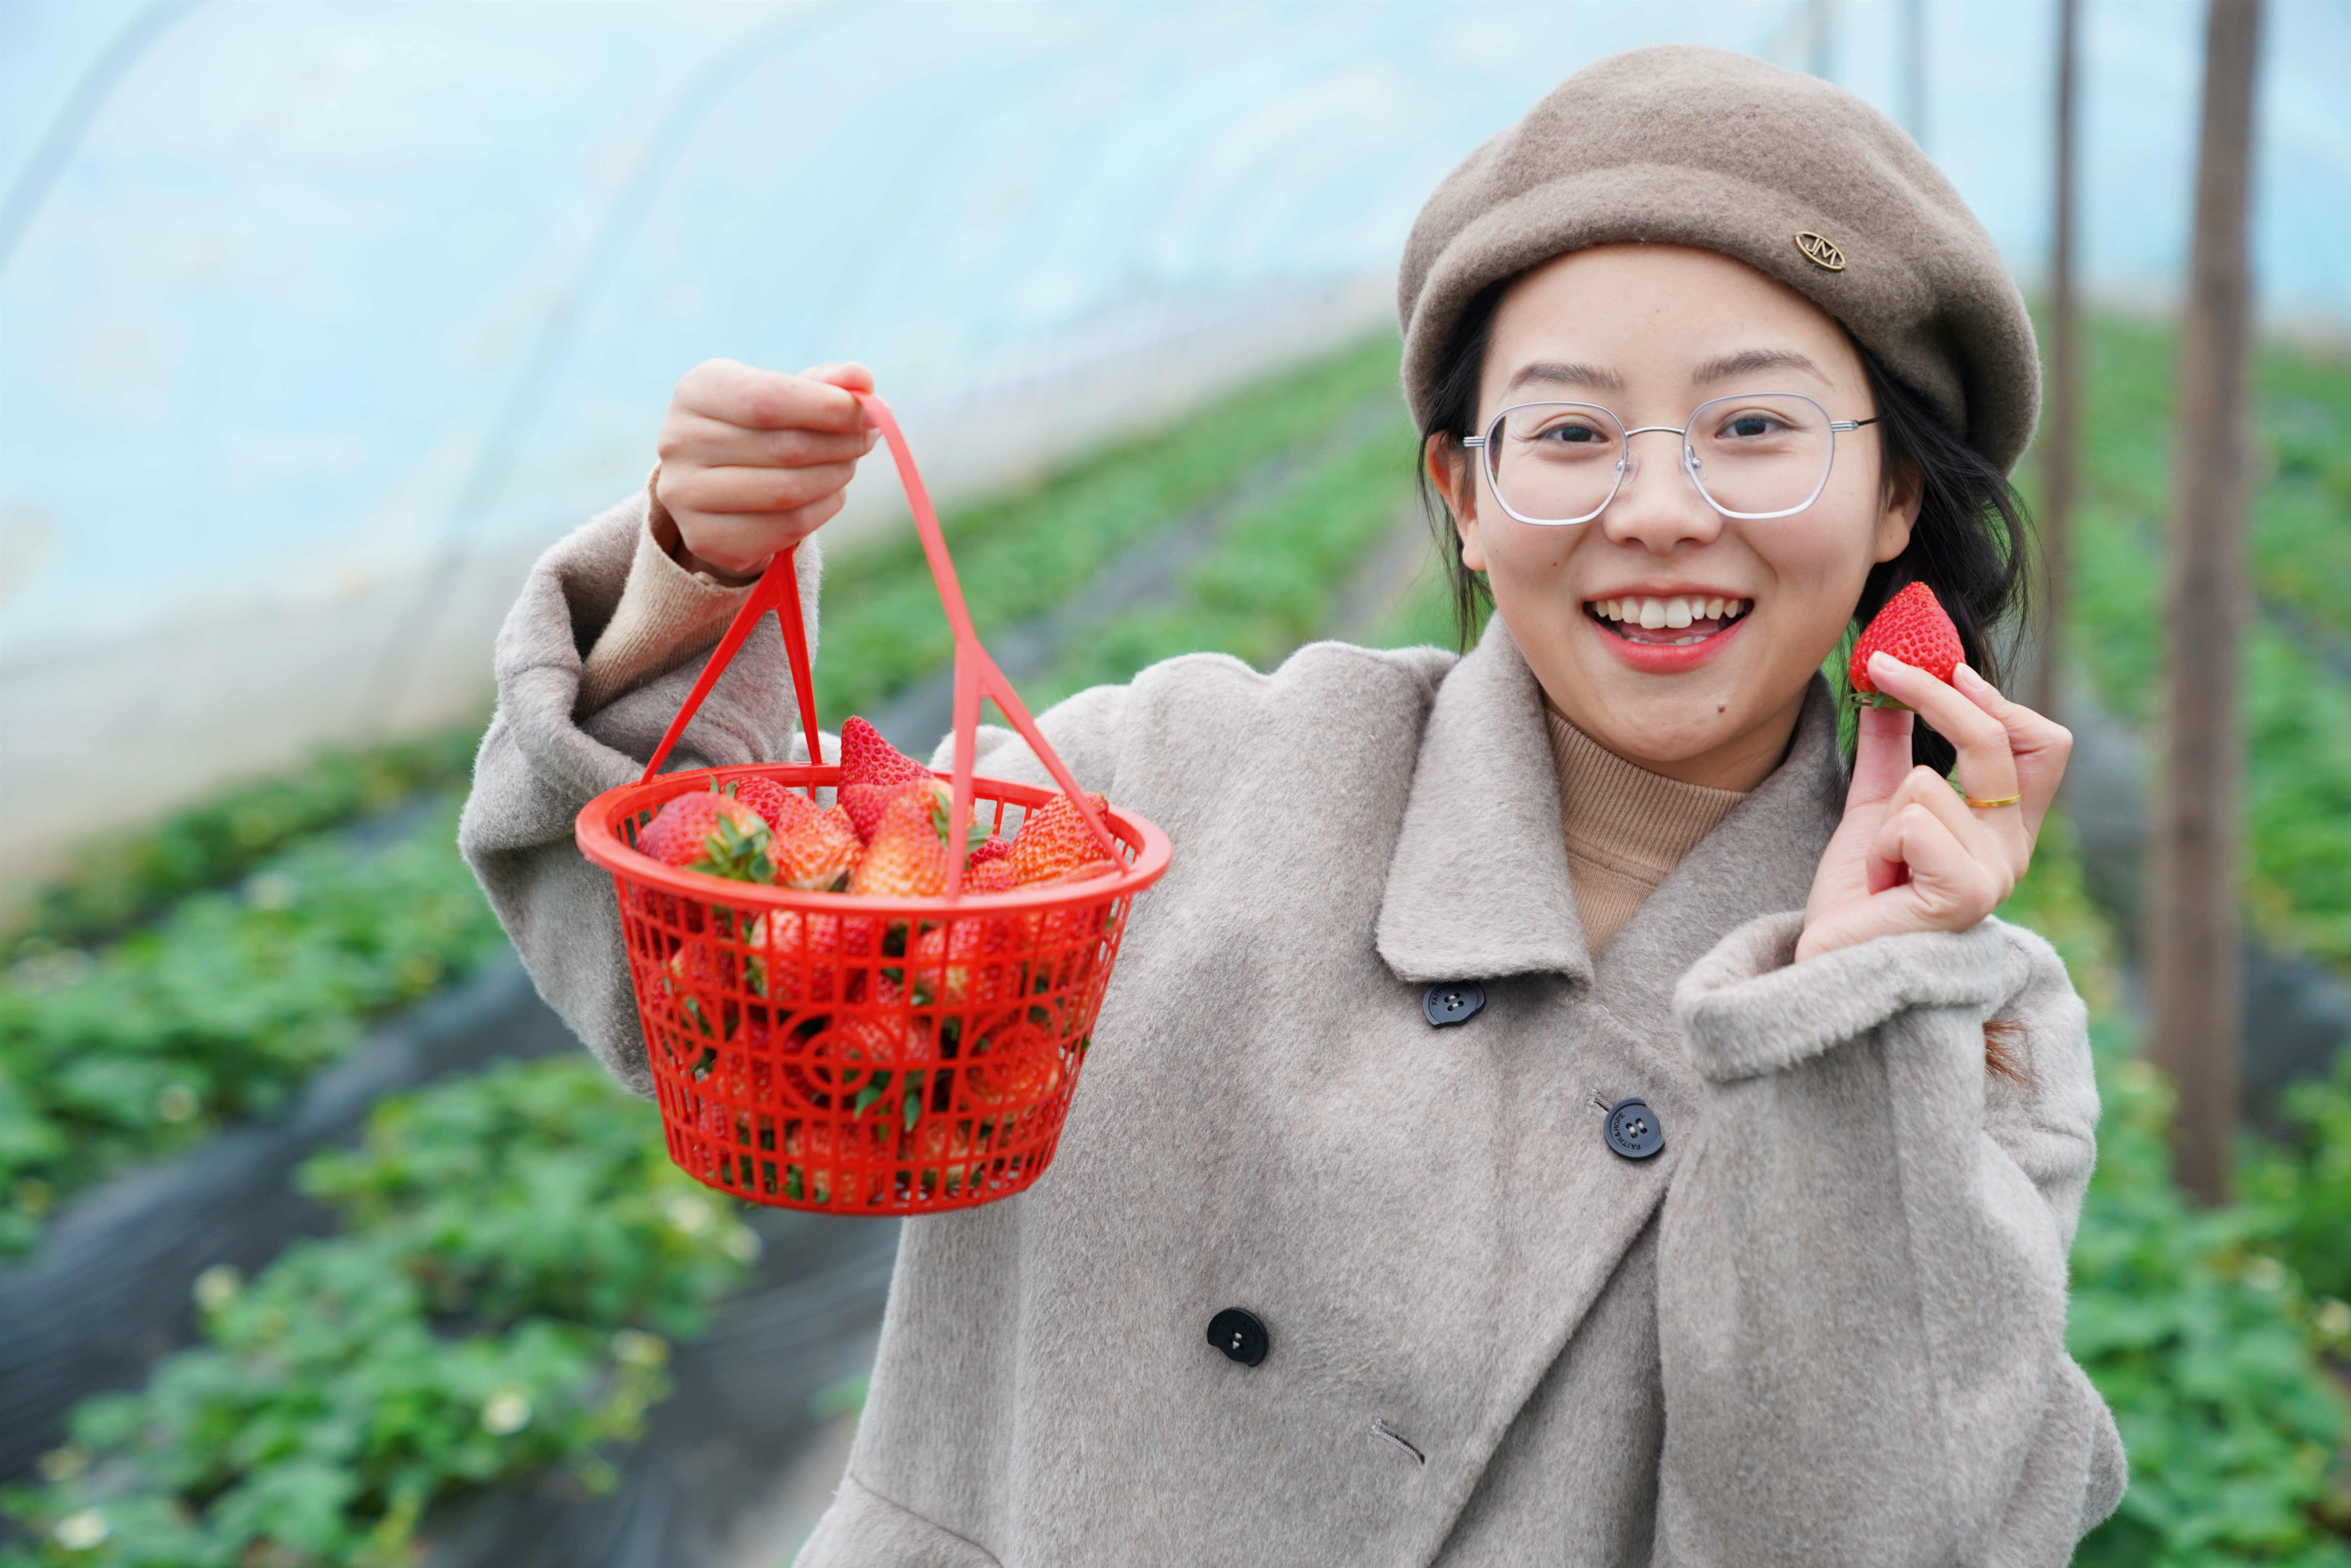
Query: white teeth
{"x": 1654, "y": 614}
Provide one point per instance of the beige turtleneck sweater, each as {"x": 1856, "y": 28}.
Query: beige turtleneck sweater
{"x": 1626, "y": 828}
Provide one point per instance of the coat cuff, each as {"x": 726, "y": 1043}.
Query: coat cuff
{"x": 666, "y": 615}
{"x": 1748, "y": 1007}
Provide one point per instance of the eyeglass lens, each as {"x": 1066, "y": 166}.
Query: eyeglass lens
{"x": 1560, "y": 462}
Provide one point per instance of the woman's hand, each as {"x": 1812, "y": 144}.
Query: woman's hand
{"x": 752, "y": 461}
{"x": 1910, "y": 854}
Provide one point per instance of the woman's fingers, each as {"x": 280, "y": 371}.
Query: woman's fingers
{"x": 740, "y": 545}
{"x": 2039, "y": 744}
{"x": 1987, "y": 769}
{"x": 752, "y": 399}
{"x": 850, "y": 375}
{"x": 1952, "y": 883}
{"x": 1881, "y": 757}
{"x": 753, "y": 461}
{"x": 704, "y": 443}
{"x": 735, "y": 490}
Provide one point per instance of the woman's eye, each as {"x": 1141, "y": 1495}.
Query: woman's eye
{"x": 1750, "y": 426}
{"x": 1571, "y": 435}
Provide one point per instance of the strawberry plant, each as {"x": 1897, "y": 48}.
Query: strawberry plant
{"x": 2195, "y": 1324}
{"x": 119, "y": 879}
{"x": 517, "y": 1254}
{"x": 220, "y": 1010}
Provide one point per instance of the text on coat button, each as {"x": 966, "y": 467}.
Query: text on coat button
{"x": 1633, "y": 1129}
{"x": 1451, "y": 1002}
{"x": 1240, "y": 1335}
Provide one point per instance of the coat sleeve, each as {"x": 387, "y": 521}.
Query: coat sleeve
{"x": 1862, "y": 1274}
{"x": 545, "y": 757}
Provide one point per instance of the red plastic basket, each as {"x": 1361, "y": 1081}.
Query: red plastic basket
{"x": 867, "y": 1055}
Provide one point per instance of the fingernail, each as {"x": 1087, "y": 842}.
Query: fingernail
{"x": 1964, "y": 674}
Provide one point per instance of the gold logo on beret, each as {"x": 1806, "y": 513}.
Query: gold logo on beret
{"x": 1821, "y": 251}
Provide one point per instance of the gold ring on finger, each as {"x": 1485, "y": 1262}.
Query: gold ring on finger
{"x": 1987, "y": 805}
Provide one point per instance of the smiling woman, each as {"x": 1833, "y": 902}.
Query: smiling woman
{"x": 1547, "y": 1112}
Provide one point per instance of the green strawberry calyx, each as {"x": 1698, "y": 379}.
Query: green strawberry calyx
{"x": 734, "y": 853}
{"x": 976, "y": 832}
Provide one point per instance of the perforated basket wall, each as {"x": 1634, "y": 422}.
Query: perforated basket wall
{"x": 863, "y": 1055}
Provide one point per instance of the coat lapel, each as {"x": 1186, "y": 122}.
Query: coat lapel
{"x": 1477, "y": 886}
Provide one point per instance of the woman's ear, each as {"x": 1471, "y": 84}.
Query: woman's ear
{"x": 1450, "y": 472}
{"x": 1905, "y": 492}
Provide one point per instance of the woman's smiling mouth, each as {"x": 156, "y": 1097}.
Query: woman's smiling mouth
{"x": 1677, "y": 620}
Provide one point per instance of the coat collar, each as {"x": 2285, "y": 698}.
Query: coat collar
{"x": 1477, "y": 886}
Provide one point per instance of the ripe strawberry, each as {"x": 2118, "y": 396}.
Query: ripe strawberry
{"x": 764, "y": 796}
{"x": 1914, "y": 629}
{"x": 709, "y": 832}
{"x": 991, "y": 876}
{"x": 814, "y": 847}
{"x": 993, "y": 850}
{"x": 821, "y": 1144}
{"x": 798, "y": 959}
{"x": 943, "y": 1147}
{"x": 871, "y": 771}
{"x": 967, "y": 965}
{"x": 882, "y": 1037}
{"x": 1054, "y": 841}
{"x": 1015, "y": 1063}
{"x": 1065, "y": 942}
{"x": 906, "y": 856}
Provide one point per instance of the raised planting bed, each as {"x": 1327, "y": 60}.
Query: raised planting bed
{"x": 108, "y": 1287}
{"x": 219, "y": 1011}
{"x": 516, "y": 1259}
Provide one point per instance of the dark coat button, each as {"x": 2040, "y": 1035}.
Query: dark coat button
{"x": 1240, "y": 1335}
{"x": 1633, "y": 1130}
{"x": 1454, "y": 1003}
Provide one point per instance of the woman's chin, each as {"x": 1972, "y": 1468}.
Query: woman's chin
{"x": 1660, "y": 718}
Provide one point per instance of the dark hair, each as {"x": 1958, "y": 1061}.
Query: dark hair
{"x": 1969, "y": 545}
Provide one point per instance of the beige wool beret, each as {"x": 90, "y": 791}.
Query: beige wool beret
{"x": 1792, "y": 175}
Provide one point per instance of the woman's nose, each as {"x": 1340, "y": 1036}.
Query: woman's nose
{"x": 1658, "y": 506}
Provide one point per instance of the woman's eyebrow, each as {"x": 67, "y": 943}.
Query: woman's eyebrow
{"x": 1560, "y": 372}
{"x": 1748, "y": 361}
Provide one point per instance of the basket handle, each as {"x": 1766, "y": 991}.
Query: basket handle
{"x": 976, "y": 675}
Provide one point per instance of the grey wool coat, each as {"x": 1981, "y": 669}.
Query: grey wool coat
{"x": 1822, "y": 1325}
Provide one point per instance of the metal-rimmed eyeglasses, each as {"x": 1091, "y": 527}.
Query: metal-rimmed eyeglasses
{"x": 1753, "y": 457}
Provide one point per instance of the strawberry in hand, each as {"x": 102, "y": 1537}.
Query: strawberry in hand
{"x": 1913, "y": 628}
{"x": 1913, "y": 855}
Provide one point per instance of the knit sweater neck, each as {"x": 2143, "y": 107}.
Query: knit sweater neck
{"x": 1626, "y": 828}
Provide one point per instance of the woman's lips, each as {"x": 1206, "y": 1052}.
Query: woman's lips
{"x": 1665, "y": 650}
